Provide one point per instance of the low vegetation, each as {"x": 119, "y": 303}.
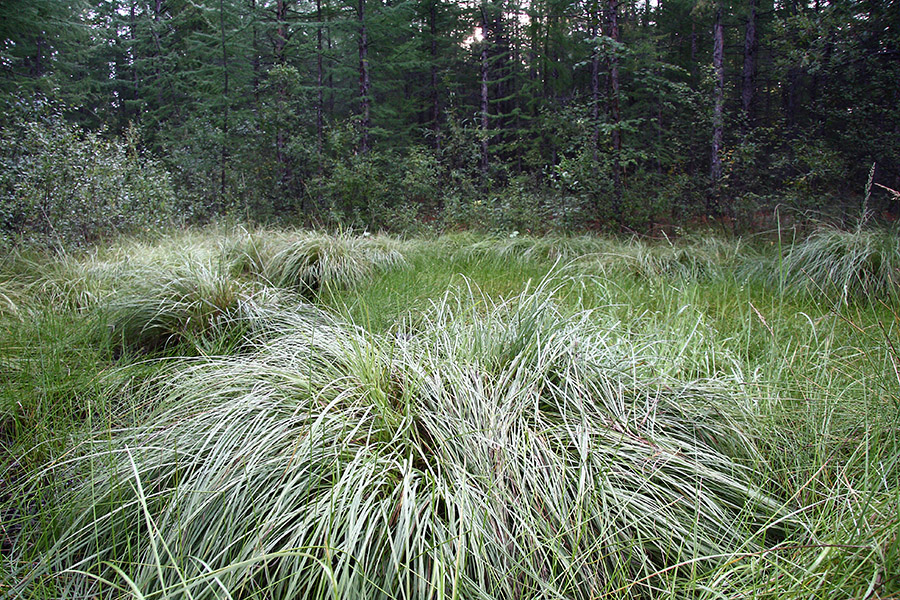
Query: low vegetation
{"x": 280, "y": 414}
{"x": 309, "y": 261}
{"x": 847, "y": 265}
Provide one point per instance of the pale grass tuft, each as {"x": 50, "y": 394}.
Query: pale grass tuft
{"x": 484, "y": 450}
{"x": 309, "y": 261}
{"x": 846, "y": 266}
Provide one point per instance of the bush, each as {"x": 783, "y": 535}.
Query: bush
{"x": 63, "y": 186}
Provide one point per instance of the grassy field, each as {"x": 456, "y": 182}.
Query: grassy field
{"x": 284, "y": 414}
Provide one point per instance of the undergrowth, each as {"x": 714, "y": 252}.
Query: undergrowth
{"x": 227, "y": 414}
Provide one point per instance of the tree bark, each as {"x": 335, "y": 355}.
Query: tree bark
{"x": 547, "y": 61}
{"x": 693, "y": 49}
{"x": 132, "y": 34}
{"x": 278, "y": 52}
{"x": 280, "y": 31}
{"x": 485, "y": 125}
{"x": 595, "y": 83}
{"x": 36, "y": 68}
{"x": 224, "y": 151}
{"x": 615, "y": 117}
{"x": 157, "y": 44}
{"x": 791, "y": 89}
{"x": 329, "y": 80}
{"x": 281, "y": 92}
{"x": 515, "y": 77}
{"x": 791, "y": 96}
{"x": 748, "y": 75}
{"x": 320, "y": 92}
{"x": 254, "y": 60}
{"x": 363, "y": 78}
{"x": 435, "y": 94}
{"x": 718, "y": 108}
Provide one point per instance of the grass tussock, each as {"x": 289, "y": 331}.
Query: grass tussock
{"x": 157, "y": 307}
{"x": 188, "y": 286}
{"x": 11, "y": 297}
{"x": 551, "y": 247}
{"x": 640, "y": 423}
{"x": 309, "y": 261}
{"x": 690, "y": 258}
{"x": 862, "y": 264}
{"x": 493, "y": 453}
{"x": 83, "y": 280}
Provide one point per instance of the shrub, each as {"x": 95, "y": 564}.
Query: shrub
{"x": 64, "y": 186}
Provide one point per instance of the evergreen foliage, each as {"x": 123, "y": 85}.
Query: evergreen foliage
{"x": 550, "y": 115}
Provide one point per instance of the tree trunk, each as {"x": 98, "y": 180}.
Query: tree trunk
{"x": 718, "y": 108}
{"x": 254, "y": 60}
{"x": 546, "y": 68}
{"x": 659, "y": 127}
{"x": 693, "y": 50}
{"x": 36, "y": 69}
{"x": 499, "y": 55}
{"x": 485, "y": 125}
{"x": 224, "y": 152}
{"x": 791, "y": 96}
{"x": 816, "y": 80}
{"x": 749, "y": 72}
{"x": 595, "y": 83}
{"x": 157, "y": 44}
{"x": 515, "y": 79}
{"x": 132, "y": 34}
{"x": 329, "y": 80}
{"x": 363, "y": 78}
{"x": 613, "y": 25}
{"x": 280, "y": 31}
{"x": 278, "y": 52}
{"x": 791, "y": 89}
{"x": 320, "y": 91}
{"x": 435, "y": 94}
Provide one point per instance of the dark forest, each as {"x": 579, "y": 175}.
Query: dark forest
{"x": 399, "y": 115}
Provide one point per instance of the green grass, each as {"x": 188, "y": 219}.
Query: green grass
{"x": 847, "y": 266}
{"x": 311, "y": 261}
{"x": 225, "y": 414}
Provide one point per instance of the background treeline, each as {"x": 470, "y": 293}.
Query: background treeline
{"x": 394, "y": 114}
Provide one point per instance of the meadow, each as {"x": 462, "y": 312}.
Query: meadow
{"x": 252, "y": 413}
